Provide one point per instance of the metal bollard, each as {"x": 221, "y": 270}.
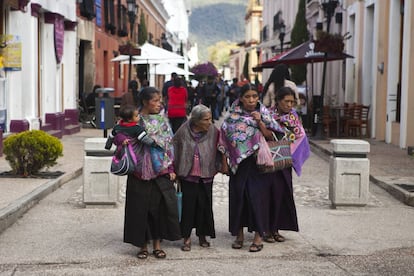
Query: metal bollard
{"x": 349, "y": 173}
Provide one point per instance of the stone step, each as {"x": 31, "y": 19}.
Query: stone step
{"x": 71, "y": 129}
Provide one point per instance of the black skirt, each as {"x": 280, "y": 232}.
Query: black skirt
{"x": 150, "y": 211}
{"x": 197, "y": 209}
{"x": 249, "y": 199}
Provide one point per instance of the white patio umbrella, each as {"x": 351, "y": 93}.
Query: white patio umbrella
{"x": 151, "y": 54}
{"x": 167, "y": 69}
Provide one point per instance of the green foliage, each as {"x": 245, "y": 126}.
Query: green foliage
{"x": 212, "y": 23}
{"x": 142, "y": 31}
{"x": 219, "y": 53}
{"x": 299, "y": 35}
{"x": 29, "y": 151}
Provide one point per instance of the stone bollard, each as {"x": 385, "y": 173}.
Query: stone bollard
{"x": 349, "y": 173}
{"x": 100, "y": 187}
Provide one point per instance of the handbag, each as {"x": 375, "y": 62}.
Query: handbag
{"x": 281, "y": 155}
{"x": 124, "y": 161}
{"x": 179, "y": 194}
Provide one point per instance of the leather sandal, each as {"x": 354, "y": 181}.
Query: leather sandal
{"x": 278, "y": 237}
{"x": 269, "y": 238}
{"x": 203, "y": 243}
{"x": 142, "y": 254}
{"x": 186, "y": 246}
{"x": 159, "y": 254}
{"x": 237, "y": 244}
{"x": 255, "y": 247}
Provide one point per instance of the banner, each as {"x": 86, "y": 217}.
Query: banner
{"x": 10, "y": 53}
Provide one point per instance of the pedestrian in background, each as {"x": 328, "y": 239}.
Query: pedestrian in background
{"x": 282, "y": 206}
{"x": 167, "y": 85}
{"x": 177, "y": 104}
{"x": 279, "y": 77}
{"x": 196, "y": 162}
{"x": 131, "y": 97}
{"x": 210, "y": 91}
{"x": 151, "y": 202}
{"x": 243, "y": 135}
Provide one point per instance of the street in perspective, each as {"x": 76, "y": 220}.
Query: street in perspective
{"x": 62, "y": 236}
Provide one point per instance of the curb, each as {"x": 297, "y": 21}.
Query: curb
{"x": 11, "y": 213}
{"x": 397, "y": 192}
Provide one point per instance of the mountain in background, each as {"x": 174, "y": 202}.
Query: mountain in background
{"x": 216, "y": 21}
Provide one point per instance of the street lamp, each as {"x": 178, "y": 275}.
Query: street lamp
{"x": 328, "y": 7}
{"x": 282, "y": 32}
{"x": 132, "y": 14}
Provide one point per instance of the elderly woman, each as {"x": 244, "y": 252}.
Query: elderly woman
{"x": 151, "y": 203}
{"x": 242, "y": 140}
{"x": 195, "y": 145}
{"x": 283, "y": 208}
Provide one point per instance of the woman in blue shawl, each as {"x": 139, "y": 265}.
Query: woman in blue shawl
{"x": 151, "y": 204}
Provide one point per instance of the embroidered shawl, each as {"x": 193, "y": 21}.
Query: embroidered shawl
{"x": 240, "y": 136}
{"x": 299, "y": 146}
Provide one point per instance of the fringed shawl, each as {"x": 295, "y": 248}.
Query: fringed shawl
{"x": 240, "y": 136}
{"x": 299, "y": 146}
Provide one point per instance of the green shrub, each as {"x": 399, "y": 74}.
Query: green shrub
{"x": 30, "y": 151}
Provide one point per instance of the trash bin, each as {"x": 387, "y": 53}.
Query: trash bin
{"x": 349, "y": 173}
{"x": 100, "y": 187}
{"x": 104, "y": 109}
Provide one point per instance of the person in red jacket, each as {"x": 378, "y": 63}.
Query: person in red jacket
{"x": 177, "y": 102}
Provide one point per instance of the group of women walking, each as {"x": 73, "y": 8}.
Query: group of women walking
{"x": 261, "y": 202}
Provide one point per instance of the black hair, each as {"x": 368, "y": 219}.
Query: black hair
{"x": 246, "y": 88}
{"x": 147, "y": 94}
{"x": 177, "y": 82}
{"x": 127, "y": 112}
{"x": 278, "y": 76}
{"x": 283, "y": 92}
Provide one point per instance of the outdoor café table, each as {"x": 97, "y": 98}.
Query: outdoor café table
{"x": 336, "y": 111}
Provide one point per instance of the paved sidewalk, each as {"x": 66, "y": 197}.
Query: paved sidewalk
{"x": 389, "y": 165}
{"x": 58, "y": 236}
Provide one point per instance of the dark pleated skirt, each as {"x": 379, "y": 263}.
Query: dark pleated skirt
{"x": 150, "y": 211}
{"x": 249, "y": 199}
{"x": 197, "y": 209}
{"x": 282, "y": 205}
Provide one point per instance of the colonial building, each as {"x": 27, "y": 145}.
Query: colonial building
{"x": 248, "y": 51}
{"x": 379, "y": 76}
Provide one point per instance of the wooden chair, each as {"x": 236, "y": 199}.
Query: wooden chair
{"x": 348, "y": 110}
{"x": 364, "y": 120}
{"x": 353, "y": 124}
{"x": 328, "y": 121}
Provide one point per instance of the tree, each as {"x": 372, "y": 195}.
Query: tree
{"x": 299, "y": 35}
{"x": 142, "y": 31}
{"x": 246, "y": 66}
{"x": 219, "y": 53}
{"x": 202, "y": 70}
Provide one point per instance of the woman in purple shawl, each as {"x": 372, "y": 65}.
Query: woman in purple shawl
{"x": 242, "y": 140}
{"x": 282, "y": 207}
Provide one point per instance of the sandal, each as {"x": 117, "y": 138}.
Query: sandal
{"x": 186, "y": 246}
{"x": 255, "y": 247}
{"x": 269, "y": 238}
{"x": 142, "y": 254}
{"x": 237, "y": 244}
{"x": 159, "y": 254}
{"x": 203, "y": 242}
{"x": 278, "y": 237}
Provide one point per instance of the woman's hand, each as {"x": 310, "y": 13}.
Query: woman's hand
{"x": 173, "y": 176}
{"x": 256, "y": 116}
